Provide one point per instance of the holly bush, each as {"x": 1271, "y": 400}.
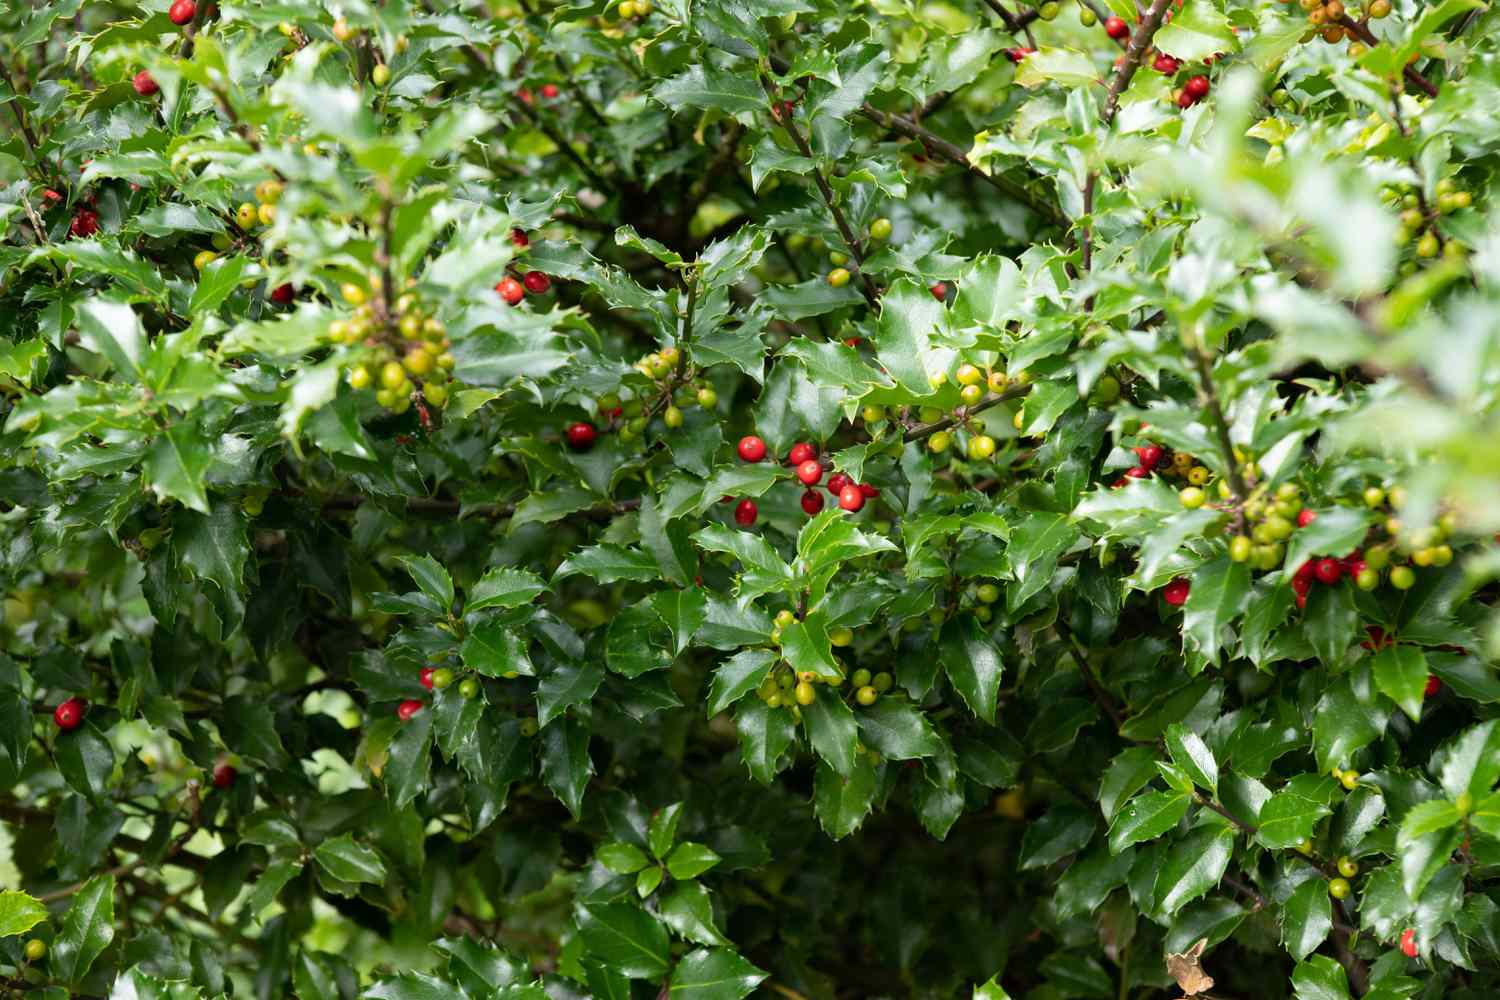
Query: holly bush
{"x": 694, "y": 500}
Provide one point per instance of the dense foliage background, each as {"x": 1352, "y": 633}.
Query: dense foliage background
{"x": 409, "y": 591}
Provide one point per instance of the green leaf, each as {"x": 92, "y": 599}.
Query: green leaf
{"x": 991, "y": 990}
{"x": 1220, "y": 593}
{"x": 1194, "y": 866}
{"x": 629, "y": 939}
{"x": 737, "y": 677}
{"x": 1306, "y": 918}
{"x": 841, "y": 803}
{"x": 832, "y": 731}
{"x": 85, "y": 760}
{"x": 1195, "y": 32}
{"x": 216, "y": 282}
{"x": 1472, "y": 764}
{"x": 972, "y": 663}
{"x": 349, "y": 861}
{"x": 566, "y": 765}
{"x": 19, "y": 913}
{"x": 765, "y": 734}
{"x": 898, "y": 730}
{"x": 688, "y": 910}
{"x": 1287, "y": 819}
{"x": 704, "y": 87}
{"x": 1190, "y": 753}
{"x": 622, "y": 858}
{"x": 1146, "y": 817}
{"x": 176, "y": 465}
{"x": 1344, "y": 721}
{"x": 1320, "y": 978}
{"x": 1068, "y": 67}
{"x": 410, "y": 760}
{"x": 86, "y": 930}
{"x": 662, "y": 832}
{"x": 904, "y": 342}
{"x": 714, "y": 974}
{"x": 806, "y": 647}
{"x": 1400, "y": 673}
{"x": 432, "y": 578}
{"x": 689, "y": 860}
{"x": 606, "y": 563}
{"x": 504, "y": 587}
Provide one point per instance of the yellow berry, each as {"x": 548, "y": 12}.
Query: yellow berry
{"x": 204, "y": 259}
{"x": 380, "y": 75}
{"x": 838, "y": 277}
{"x": 841, "y": 636}
{"x": 359, "y": 378}
{"x": 352, "y": 293}
{"x": 968, "y": 375}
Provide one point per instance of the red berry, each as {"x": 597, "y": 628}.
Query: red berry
{"x": 1116, "y": 28}
{"x": 837, "y": 482}
{"x": 1301, "y": 600}
{"x": 745, "y": 513}
{"x": 407, "y": 709}
{"x": 68, "y": 715}
{"x": 224, "y": 775}
{"x": 751, "y": 448}
{"x": 1118, "y": 483}
{"x": 1329, "y": 571}
{"x": 85, "y": 223}
{"x": 524, "y": 95}
{"x": 851, "y": 498}
{"x": 812, "y": 502}
{"x": 1306, "y": 516}
{"x": 801, "y": 452}
{"x": 1304, "y": 572}
{"x": 1354, "y": 567}
{"x": 549, "y": 90}
{"x": 810, "y": 472}
{"x": 1176, "y": 592}
{"x": 1376, "y": 638}
{"x": 1165, "y": 64}
{"x": 581, "y": 436}
{"x": 1301, "y": 585}
{"x": 1196, "y": 87}
{"x": 183, "y": 12}
{"x": 939, "y": 291}
{"x": 1139, "y": 472}
{"x": 1184, "y": 101}
{"x": 519, "y": 239}
{"x": 510, "y": 290}
{"x": 536, "y": 282}
{"x": 52, "y": 195}
{"x": 1409, "y": 943}
{"x": 1018, "y": 53}
{"x": 869, "y": 491}
{"x": 1149, "y": 454}
{"x": 282, "y": 295}
{"x": 143, "y": 84}
{"x": 425, "y": 677}
{"x": 1432, "y": 687}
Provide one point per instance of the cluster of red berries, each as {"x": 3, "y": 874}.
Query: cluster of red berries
{"x": 535, "y": 282}
{"x": 803, "y": 458}
{"x": 549, "y": 91}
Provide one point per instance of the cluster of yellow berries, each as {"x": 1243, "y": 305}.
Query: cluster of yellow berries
{"x": 661, "y": 368}
{"x": 786, "y": 687}
{"x": 880, "y": 229}
{"x": 419, "y": 348}
{"x": 1415, "y": 226}
{"x": 1324, "y": 19}
{"x": 634, "y": 8}
{"x": 247, "y": 216}
{"x": 1422, "y": 547}
{"x": 974, "y": 386}
{"x": 985, "y": 594}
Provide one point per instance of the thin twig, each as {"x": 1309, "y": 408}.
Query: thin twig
{"x": 1363, "y": 34}
{"x": 856, "y": 250}
{"x": 927, "y": 430}
{"x": 1208, "y": 395}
